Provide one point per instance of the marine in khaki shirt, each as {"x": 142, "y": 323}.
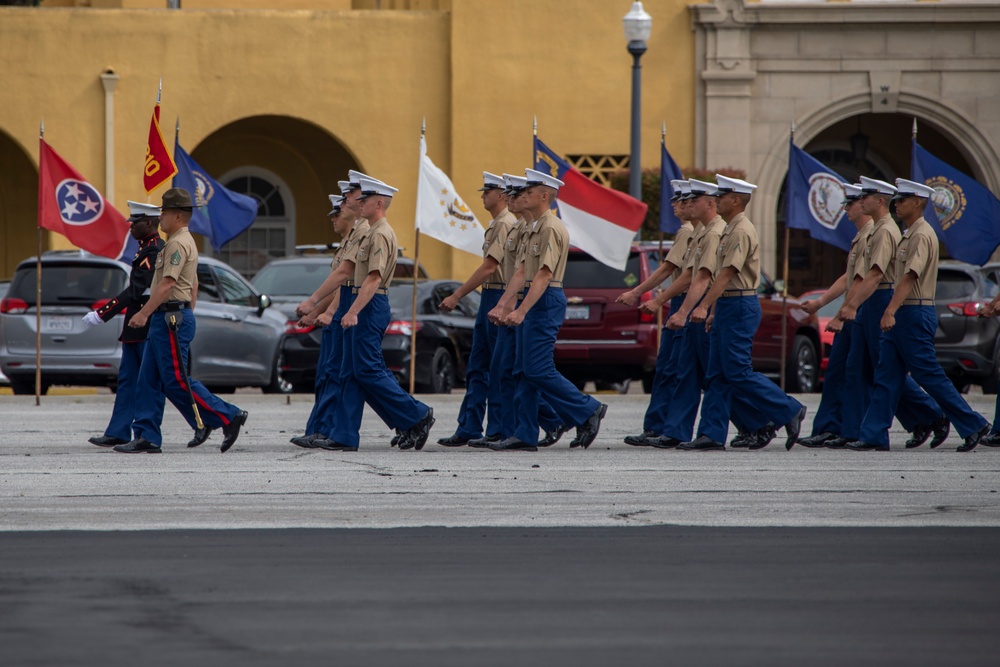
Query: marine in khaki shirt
{"x": 738, "y": 248}
{"x": 494, "y": 243}
{"x": 673, "y": 262}
{"x": 377, "y": 252}
{"x": 178, "y": 260}
{"x": 547, "y": 247}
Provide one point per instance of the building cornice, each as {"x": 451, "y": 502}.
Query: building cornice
{"x": 732, "y": 13}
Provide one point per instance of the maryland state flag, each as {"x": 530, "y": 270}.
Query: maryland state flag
{"x": 159, "y": 167}
{"x": 68, "y": 204}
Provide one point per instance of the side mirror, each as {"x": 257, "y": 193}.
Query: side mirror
{"x": 263, "y": 302}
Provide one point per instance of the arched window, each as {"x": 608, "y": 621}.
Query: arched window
{"x": 272, "y": 233}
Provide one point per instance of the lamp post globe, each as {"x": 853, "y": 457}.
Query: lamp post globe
{"x": 637, "y": 25}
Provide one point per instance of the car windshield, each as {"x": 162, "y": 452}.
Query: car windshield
{"x": 401, "y": 299}
{"x": 69, "y": 284}
{"x": 954, "y": 285}
{"x": 585, "y": 272}
{"x": 291, "y": 278}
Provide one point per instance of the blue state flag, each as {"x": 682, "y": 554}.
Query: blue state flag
{"x": 814, "y": 200}
{"x": 669, "y": 171}
{"x": 220, "y": 214}
{"x": 963, "y": 212}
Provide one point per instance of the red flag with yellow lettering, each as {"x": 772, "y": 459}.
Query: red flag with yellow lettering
{"x": 159, "y": 166}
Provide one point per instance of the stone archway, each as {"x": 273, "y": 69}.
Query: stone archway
{"x": 18, "y": 206}
{"x": 303, "y": 157}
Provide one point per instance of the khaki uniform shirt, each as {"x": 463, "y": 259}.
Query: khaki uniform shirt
{"x": 857, "y": 249}
{"x": 178, "y": 260}
{"x": 706, "y": 253}
{"x": 494, "y": 243}
{"x": 548, "y": 246}
{"x": 377, "y": 252}
{"x": 682, "y": 239}
{"x": 739, "y": 249}
{"x": 512, "y": 248}
{"x": 350, "y": 245}
{"x": 918, "y": 253}
{"x": 881, "y": 250}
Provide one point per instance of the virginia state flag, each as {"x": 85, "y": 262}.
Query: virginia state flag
{"x": 964, "y": 213}
{"x": 70, "y": 205}
{"x": 159, "y": 168}
{"x": 669, "y": 223}
{"x": 220, "y": 214}
{"x": 441, "y": 213}
{"x": 814, "y": 200}
{"x": 602, "y": 222}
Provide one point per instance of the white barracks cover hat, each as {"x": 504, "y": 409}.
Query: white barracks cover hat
{"x": 354, "y": 178}
{"x": 538, "y": 178}
{"x": 875, "y": 186}
{"x": 852, "y": 192}
{"x": 906, "y": 188}
{"x": 678, "y": 188}
{"x": 345, "y": 187}
{"x": 699, "y": 188}
{"x": 335, "y": 202}
{"x": 138, "y": 211}
{"x": 371, "y": 187}
{"x": 492, "y": 182}
{"x": 738, "y": 185}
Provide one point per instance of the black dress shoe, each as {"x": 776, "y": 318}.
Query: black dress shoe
{"x": 513, "y": 444}
{"x": 454, "y": 441}
{"x": 665, "y": 442}
{"x": 322, "y": 442}
{"x": 418, "y": 432}
{"x": 860, "y": 446}
{"x": 200, "y": 436}
{"x": 818, "y": 440}
{"x": 396, "y": 438}
{"x": 552, "y": 437}
{"x": 138, "y": 446}
{"x": 992, "y": 440}
{"x": 105, "y": 441}
{"x": 742, "y": 440}
{"x": 641, "y": 440}
{"x": 763, "y": 436}
{"x": 919, "y": 436}
{"x": 305, "y": 441}
{"x": 942, "y": 428}
{"x": 837, "y": 443}
{"x": 794, "y": 427}
{"x": 586, "y": 432}
{"x": 484, "y": 442}
{"x": 231, "y": 431}
{"x": 973, "y": 440}
{"x": 701, "y": 443}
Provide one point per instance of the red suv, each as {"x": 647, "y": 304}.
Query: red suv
{"x": 607, "y": 342}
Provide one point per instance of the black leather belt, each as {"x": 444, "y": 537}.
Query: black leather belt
{"x": 380, "y": 290}
{"x": 172, "y": 306}
{"x": 738, "y": 292}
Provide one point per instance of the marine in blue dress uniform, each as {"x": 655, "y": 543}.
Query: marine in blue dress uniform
{"x": 144, "y": 219}
{"x": 540, "y": 315}
{"x": 840, "y": 401}
{"x": 163, "y": 373}
{"x": 364, "y": 374}
{"x": 482, "y": 393}
{"x": 866, "y": 301}
{"x": 671, "y": 267}
{"x": 908, "y": 325}
{"x": 736, "y": 316}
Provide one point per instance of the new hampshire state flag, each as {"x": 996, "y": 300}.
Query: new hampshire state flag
{"x": 441, "y": 213}
{"x": 220, "y": 214}
{"x": 964, "y": 213}
{"x": 814, "y": 200}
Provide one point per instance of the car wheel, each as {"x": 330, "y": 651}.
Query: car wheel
{"x": 278, "y": 384}
{"x": 991, "y": 382}
{"x": 22, "y": 388}
{"x": 802, "y": 376}
{"x": 442, "y": 379}
{"x": 647, "y": 382}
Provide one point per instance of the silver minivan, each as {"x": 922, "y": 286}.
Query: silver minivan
{"x": 237, "y": 344}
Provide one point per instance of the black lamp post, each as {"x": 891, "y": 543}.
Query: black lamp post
{"x": 637, "y": 24}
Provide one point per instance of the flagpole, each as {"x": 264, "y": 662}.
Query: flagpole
{"x": 784, "y": 291}
{"x": 416, "y": 273}
{"x": 659, "y": 311}
{"x": 38, "y": 296}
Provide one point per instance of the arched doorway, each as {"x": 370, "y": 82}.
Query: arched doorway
{"x": 289, "y": 166}
{"x": 875, "y": 145}
{"x": 18, "y": 206}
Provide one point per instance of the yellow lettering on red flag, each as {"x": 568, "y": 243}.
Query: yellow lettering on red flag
{"x": 159, "y": 165}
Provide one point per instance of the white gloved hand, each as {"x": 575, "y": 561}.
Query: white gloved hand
{"x": 92, "y": 318}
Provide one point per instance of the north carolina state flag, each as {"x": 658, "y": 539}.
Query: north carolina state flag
{"x": 68, "y": 204}
{"x": 159, "y": 166}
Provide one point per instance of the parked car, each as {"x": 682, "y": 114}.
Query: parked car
{"x": 4, "y": 284}
{"x": 238, "y": 342}
{"x": 824, "y": 315}
{"x": 967, "y": 345}
{"x": 288, "y": 281}
{"x": 607, "y": 342}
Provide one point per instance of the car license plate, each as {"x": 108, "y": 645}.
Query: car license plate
{"x": 58, "y": 324}
{"x": 577, "y": 312}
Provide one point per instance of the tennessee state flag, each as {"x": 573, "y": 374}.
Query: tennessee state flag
{"x": 159, "y": 166}
{"x": 602, "y": 222}
{"x": 68, "y": 204}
